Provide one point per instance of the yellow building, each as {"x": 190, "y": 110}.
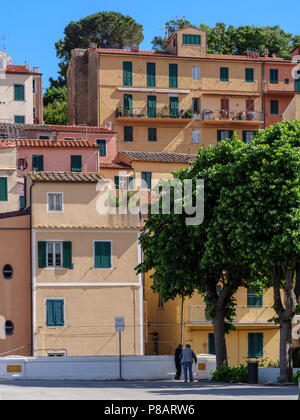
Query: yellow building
{"x": 253, "y": 331}
{"x": 83, "y": 273}
{"x": 175, "y": 101}
{"x": 9, "y": 188}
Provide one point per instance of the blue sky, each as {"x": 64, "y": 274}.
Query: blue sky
{"x": 33, "y": 27}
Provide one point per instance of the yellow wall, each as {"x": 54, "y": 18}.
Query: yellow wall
{"x": 8, "y": 162}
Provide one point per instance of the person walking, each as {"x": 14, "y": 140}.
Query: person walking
{"x": 178, "y": 352}
{"x": 187, "y": 356}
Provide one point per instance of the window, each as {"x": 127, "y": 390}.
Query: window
{"x": 174, "y": 106}
{"x": 127, "y": 73}
{"x": 173, "y": 75}
{"x": 152, "y": 134}
{"x": 44, "y": 137}
{"x": 19, "y": 119}
{"x": 7, "y": 272}
{"x": 249, "y": 75}
{"x": 150, "y": 74}
{"x": 247, "y": 136}
{"x": 286, "y": 81}
{"x": 55, "y": 312}
{"x": 102, "y": 147}
{"x": 55, "y": 255}
{"x": 102, "y": 254}
{"x": 254, "y": 300}
{"x": 274, "y": 76}
{"x": 3, "y": 189}
{"x": 196, "y": 73}
{"x": 34, "y": 86}
{"x": 224, "y": 134}
{"x": 211, "y": 344}
{"x": 196, "y": 105}
{"x": 224, "y": 74}
{"x": 76, "y": 163}
{"x": 38, "y": 163}
{"x": 56, "y": 354}
{"x": 191, "y": 39}
{"x": 196, "y": 136}
{"x": 147, "y": 180}
{"x": 124, "y": 182}
{"x": 128, "y": 105}
{"x": 55, "y": 202}
{"x": 255, "y": 344}
{"x": 69, "y": 138}
{"x": 151, "y": 106}
{"x": 274, "y": 107}
{"x": 22, "y": 202}
{"x": 9, "y": 328}
{"x": 128, "y": 133}
{"x": 19, "y": 92}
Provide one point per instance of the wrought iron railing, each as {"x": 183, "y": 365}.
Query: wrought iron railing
{"x": 152, "y": 112}
{"x": 232, "y": 115}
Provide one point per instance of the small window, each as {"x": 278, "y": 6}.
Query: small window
{"x": 127, "y": 73}
{"x": 191, "y": 39}
{"x": 56, "y": 354}
{"x": 102, "y": 146}
{"x": 248, "y": 135}
{"x": 34, "y": 86}
{"x": 55, "y": 316}
{"x": 224, "y": 74}
{"x": 152, "y": 134}
{"x": 9, "y": 328}
{"x": 54, "y": 255}
{"x": 19, "y": 119}
{"x": 7, "y": 272}
{"x": 76, "y": 163}
{"x": 128, "y": 133}
{"x": 274, "y": 107}
{"x": 249, "y": 75}
{"x": 253, "y": 299}
{"x": 55, "y": 202}
{"x": 19, "y": 92}
{"x": 196, "y": 136}
{"x": 286, "y": 81}
{"x": 69, "y": 138}
{"x": 196, "y": 73}
{"x": 102, "y": 254}
{"x": 3, "y": 189}
{"x": 255, "y": 345}
{"x": 147, "y": 180}
{"x": 211, "y": 344}
{"x": 224, "y": 134}
{"x": 274, "y": 76}
{"x": 44, "y": 137}
{"x": 38, "y": 163}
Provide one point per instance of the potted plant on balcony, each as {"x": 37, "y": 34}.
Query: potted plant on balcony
{"x": 239, "y": 115}
{"x": 187, "y": 114}
{"x": 164, "y": 111}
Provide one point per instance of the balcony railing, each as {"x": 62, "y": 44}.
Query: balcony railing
{"x": 231, "y": 115}
{"x": 244, "y": 315}
{"x": 164, "y": 112}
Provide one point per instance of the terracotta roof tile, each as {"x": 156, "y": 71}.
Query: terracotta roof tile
{"x": 80, "y": 177}
{"x": 50, "y": 143}
{"x": 16, "y": 68}
{"x": 159, "y": 157}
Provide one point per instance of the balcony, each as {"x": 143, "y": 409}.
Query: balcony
{"x": 221, "y": 117}
{"x": 165, "y": 114}
{"x": 245, "y": 316}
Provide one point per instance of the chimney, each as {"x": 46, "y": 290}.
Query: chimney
{"x": 273, "y": 55}
{"x": 35, "y": 69}
{"x": 266, "y": 53}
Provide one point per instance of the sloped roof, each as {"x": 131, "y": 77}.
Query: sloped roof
{"x": 80, "y": 177}
{"x": 166, "y": 157}
{"x": 49, "y": 143}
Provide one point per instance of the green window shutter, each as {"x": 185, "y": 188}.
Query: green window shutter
{"x": 173, "y": 75}
{"x": 117, "y": 182}
{"x": 297, "y": 80}
{"x": 67, "y": 255}
{"x": 128, "y": 104}
{"x": 152, "y": 134}
{"x": 102, "y": 147}
{"x": 3, "y": 189}
{"x": 102, "y": 255}
{"x": 191, "y": 39}
{"x": 130, "y": 183}
{"x": 151, "y": 106}
{"x": 151, "y": 74}
{"x": 255, "y": 344}
{"x": 127, "y": 73}
{"x": 59, "y": 313}
{"x": 19, "y": 92}
{"x": 211, "y": 344}
{"x": 219, "y": 135}
{"x": 50, "y": 319}
{"x": 38, "y": 162}
{"x": 19, "y": 119}
{"x": 128, "y": 133}
{"x": 224, "y": 74}
{"x": 274, "y": 107}
{"x": 147, "y": 178}
{"x": 254, "y": 300}
{"x": 274, "y": 76}
{"x": 174, "y": 106}
{"x": 76, "y": 163}
{"x": 249, "y": 75}
{"x": 42, "y": 254}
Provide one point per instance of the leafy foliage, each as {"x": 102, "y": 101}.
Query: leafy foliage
{"x": 56, "y": 114}
{"x": 55, "y": 95}
{"x": 236, "y": 374}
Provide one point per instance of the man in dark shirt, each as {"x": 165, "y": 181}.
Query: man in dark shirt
{"x": 178, "y": 362}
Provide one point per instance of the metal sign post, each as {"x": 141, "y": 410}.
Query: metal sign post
{"x": 120, "y": 327}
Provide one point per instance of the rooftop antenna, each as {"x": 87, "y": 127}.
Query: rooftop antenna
{"x": 4, "y": 41}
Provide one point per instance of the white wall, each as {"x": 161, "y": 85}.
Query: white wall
{"x": 98, "y": 368}
{"x": 8, "y": 106}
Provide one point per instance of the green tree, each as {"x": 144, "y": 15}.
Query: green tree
{"x": 259, "y": 212}
{"x": 56, "y": 113}
{"x": 159, "y": 42}
{"x": 106, "y": 29}
{"x": 55, "y": 95}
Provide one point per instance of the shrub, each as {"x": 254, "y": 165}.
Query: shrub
{"x": 296, "y": 357}
{"x": 238, "y": 374}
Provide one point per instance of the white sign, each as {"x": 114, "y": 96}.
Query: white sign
{"x": 120, "y": 324}
{"x": 296, "y": 328}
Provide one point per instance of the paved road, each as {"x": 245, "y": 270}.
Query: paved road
{"x": 147, "y": 391}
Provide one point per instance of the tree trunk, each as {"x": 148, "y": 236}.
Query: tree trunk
{"x": 220, "y": 340}
{"x": 181, "y": 323}
{"x": 285, "y": 315}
